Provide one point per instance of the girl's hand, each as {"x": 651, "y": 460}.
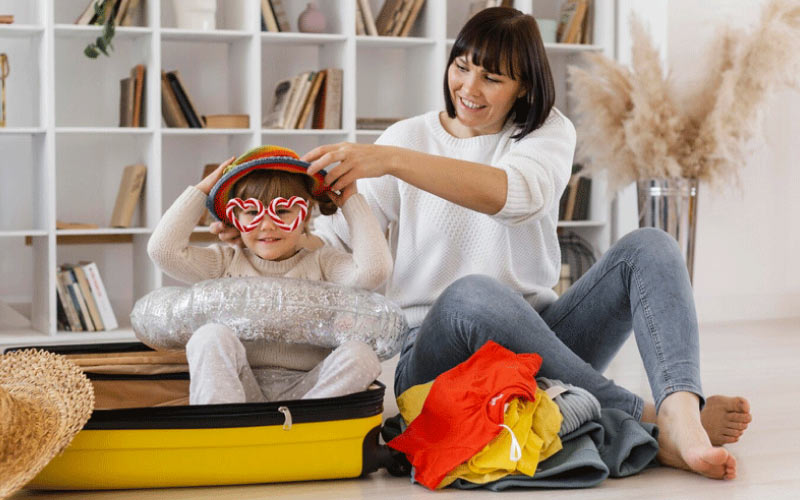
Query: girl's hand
{"x": 345, "y": 194}
{"x": 355, "y": 161}
{"x": 207, "y": 184}
{"x": 228, "y": 234}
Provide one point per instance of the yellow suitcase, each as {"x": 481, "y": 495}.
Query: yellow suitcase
{"x": 159, "y": 444}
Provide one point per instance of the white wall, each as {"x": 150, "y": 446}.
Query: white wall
{"x": 747, "y": 261}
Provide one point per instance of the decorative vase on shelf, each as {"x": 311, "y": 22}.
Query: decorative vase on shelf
{"x": 311, "y": 20}
{"x": 195, "y": 14}
{"x": 671, "y": 205}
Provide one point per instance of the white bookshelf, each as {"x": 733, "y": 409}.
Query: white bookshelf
{"x": 62, "y": 153}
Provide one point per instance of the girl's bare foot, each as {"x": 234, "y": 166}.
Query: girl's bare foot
{"x": 725, "y": 418}
{"x": 683, "y": 442}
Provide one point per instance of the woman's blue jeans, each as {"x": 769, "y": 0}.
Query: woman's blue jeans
{"x": 639, "y": 284}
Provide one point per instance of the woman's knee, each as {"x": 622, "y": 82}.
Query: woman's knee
{"x": 652, "y": 245}
{"x": 470, "y": 293}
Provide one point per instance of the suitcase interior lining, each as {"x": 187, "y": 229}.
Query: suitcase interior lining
{"x": 139, "y": 388}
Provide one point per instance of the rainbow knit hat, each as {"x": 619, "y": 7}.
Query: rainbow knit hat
{"x": 260, "y": 158}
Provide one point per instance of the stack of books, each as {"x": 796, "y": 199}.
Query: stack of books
{"x": 396, "y": 17}
{"x": 311, "y": 98}
{"x": 574, "y": 22}
{"x": 273, "y": 16}
{"x": 176, "y": 104}
{"x": 132, "y": 98}
{"x": 124, "y": 12}
{"x": 83, "y": 304}
{"x": 574, "y": 204}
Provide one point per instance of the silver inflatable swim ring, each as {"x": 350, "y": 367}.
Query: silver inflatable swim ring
{"x": 272, "y": 309}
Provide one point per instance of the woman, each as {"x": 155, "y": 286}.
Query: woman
{"x": 471, "y": 199}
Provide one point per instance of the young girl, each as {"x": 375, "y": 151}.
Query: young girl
{"x": 274, "y": 235}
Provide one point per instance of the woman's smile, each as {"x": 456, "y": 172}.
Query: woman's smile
{"x": 470, "y": 105}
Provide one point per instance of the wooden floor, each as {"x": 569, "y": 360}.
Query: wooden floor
{"x": 758, "y": 360}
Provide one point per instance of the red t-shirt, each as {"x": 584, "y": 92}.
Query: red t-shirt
{"x": 464, "y": 410}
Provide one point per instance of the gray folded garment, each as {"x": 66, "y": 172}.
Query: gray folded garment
{"x": 577, "y": 405}
{"x": 615, "y": 445}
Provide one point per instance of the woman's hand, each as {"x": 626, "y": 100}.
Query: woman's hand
{"x": 207, "y": 184}
{"x": 353, "y": 161}
{"x": 344, "y": 195}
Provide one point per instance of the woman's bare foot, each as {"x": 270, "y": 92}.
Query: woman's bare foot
{"x": 683, "y": 442}
{"x": 725, "y": 418}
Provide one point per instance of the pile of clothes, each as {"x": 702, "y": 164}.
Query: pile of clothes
{"x": 490, "y": 423}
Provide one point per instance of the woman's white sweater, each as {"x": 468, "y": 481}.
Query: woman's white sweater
{"x": 434, "y": 242}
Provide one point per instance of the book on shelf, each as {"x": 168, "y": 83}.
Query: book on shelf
{"x": 133, "y": 14}
{"x": 60, "y": 224}
{"x": 411, "y": 18}
{"x": 138, "y": 76}
{"x": 360, "y": 27}
{"x": 132, "y": 99}
{"x": 126, "y": 92}
{"x": 184, "y": 100}
{"x": 88, "y": 296}
{"x": 374, "y": 123}
{"x": 280, "y": 100}
{"x": 122, "y": 12}
{"x": 297, "y": 99}
{"x": 130, "y": 190}
{"x": 384, "y": 22}
{"x": 65, "y": 300}
{"x": 328, "y": 106}
{"x": 587, "y": 27}
{"x": 574, "y": 202}
{"x": 368, "y": 19}
{"x": 280, "y": 15}
{"x": 100, "y": 295}
{"x": 401, "y": 16}
{"x": 76, "y": 300}
{"x": 268, "y": 17}
{"x": 87, "y": 15}
{"x": 309, "y": 99}
{"x": 121, "y": 9}
{"x": 6, "y": 19}
{"x": 571, "y": 20}
{"x": 170, "y": 109}
{"x": 227, "y": 121}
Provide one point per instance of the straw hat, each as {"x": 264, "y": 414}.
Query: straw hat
{"x": 44, "y": 401}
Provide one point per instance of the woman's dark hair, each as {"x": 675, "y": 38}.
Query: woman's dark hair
{"x": 507, "y": 42}
{"x": 265, "y": 185}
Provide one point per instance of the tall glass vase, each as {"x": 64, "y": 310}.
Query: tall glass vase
{"x": 671, "y": 205}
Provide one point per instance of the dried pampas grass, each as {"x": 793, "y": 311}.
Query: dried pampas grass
{"x": 631, "y": 124}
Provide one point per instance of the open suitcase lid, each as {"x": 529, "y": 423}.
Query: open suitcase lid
{"x": 362, "y": 404}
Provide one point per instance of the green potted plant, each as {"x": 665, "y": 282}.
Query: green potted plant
{"x": 104, "y": 9}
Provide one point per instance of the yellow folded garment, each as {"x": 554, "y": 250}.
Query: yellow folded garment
{"x": 535, "y": 425}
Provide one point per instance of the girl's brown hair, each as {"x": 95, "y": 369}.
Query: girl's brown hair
{"x": 507, "y": 42}
{"x": 266, "y": 185}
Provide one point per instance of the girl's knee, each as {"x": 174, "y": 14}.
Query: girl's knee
{"x": 359, "y": 355}
{"x": 212, "y": 334}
